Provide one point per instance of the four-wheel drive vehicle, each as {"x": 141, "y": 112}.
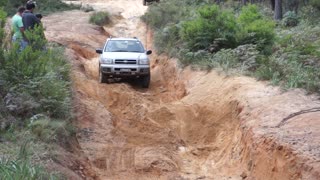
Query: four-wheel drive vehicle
{"x": 144, "y": 2}
{"x": 124, "y": 58}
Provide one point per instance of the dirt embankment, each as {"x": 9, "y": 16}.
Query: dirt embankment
{"x": 187, "y": 125}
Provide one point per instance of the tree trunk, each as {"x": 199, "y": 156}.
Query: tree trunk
{"x": 278, "y": 10}
{"x": 272, "y": 4}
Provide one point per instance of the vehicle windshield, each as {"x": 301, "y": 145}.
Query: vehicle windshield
{"x": 124, "y": 46}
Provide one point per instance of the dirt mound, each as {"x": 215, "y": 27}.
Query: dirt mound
{"x": 187, "y": 125}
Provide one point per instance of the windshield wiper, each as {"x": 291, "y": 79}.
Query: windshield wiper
{"x": 120, "y": 51}
{"x": 136, "y": 51}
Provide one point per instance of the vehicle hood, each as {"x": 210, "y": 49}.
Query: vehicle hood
{"x": 124, "y": 55}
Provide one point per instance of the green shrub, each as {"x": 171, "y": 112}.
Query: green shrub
{"x": 315, "y": 3}
{"x": 48, "y": 129}
{"x": 291, "y": 70}
{"x": 50, "y": 6}
{"x": 43, "y": 6}
{"x": 304, "y": 39}
{"x": 245, "y": 40}
{"x": 244, "y": 57}
{"x": 33, "y": 81}
{"x": 100, "y": 18}
{"x": 212, "y": 23}
{"x": 3, "y": 21}
{"x": 249, "y": 14}
{"x": 167, "y": 12}
{"x": 310, "y": 15}
{"x": 166, "y": 18}
{"x": 45, "y": 77}
{"x": 254, "y": 29}
{"x": 188, "y": 57}
{"x": 167, "y": 39}
{"x": 290, "y": 19}
{"x": 39, "y": 75}
{"x": 296, "y": 61}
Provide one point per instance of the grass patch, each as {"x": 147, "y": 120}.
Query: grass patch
{"x": 24, "y": 156}
{"x": 20, "y": 169}
{"x": 100, "y": 18}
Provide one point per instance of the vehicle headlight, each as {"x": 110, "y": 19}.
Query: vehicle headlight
{"x": 144, "y": 61}
{"x": 106, "y": 61}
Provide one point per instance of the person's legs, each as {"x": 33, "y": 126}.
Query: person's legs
{"x": 14, "y": 39}
{"x": 23, "y": 44}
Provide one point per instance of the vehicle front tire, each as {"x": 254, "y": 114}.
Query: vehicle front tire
{"x": 102, "y": 78}
{"x": 145, "y": 81}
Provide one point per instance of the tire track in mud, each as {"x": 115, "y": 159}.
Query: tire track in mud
{"x": 183, "y": 127}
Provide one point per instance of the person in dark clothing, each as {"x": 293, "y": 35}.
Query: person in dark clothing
{"x": 28, "y": 18}
{"x": 39, "y": 16}
{"x": 33, "y": 27}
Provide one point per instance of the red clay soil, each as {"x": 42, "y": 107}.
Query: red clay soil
{"x": 188, "y": 124}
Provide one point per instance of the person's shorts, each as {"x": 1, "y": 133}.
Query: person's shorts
{"x": 22, "y": 43}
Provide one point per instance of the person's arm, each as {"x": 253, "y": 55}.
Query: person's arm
{"x": 22, "y": 32}
{"x": 36, "y": 20}
{"x": 21, "y": 28}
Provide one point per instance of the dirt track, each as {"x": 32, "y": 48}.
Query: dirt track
{"x": 187, "y": 125}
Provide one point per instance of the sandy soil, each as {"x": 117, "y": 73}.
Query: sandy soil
{"x": 188, "y": 124}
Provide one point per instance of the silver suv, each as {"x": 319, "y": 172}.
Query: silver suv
{"x": 124, "y": 58}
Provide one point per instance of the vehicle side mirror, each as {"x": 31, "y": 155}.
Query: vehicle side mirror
{"x": 99, "y": 51}
{"x": 149, "y": 52}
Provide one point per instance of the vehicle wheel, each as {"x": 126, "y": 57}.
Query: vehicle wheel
{"x": 145, "y": 81}
{"x": 102, "y": 78}
{"x": 144, "y": 2}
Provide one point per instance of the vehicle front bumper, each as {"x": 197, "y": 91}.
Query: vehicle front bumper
{"x": 134, "y": 70}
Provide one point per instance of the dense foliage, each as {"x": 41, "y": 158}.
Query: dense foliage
{"x": 208, "y": 27}
{"x": 35, "y": 98}
{"x": 242, "y": 39}
{"x": 211, "y": 24}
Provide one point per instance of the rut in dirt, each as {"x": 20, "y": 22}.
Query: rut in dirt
{"x": 187, "y": 125}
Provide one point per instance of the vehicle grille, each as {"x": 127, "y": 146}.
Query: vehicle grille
{"x": 131, "y": 69}
{"x": 125, "y": 61}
